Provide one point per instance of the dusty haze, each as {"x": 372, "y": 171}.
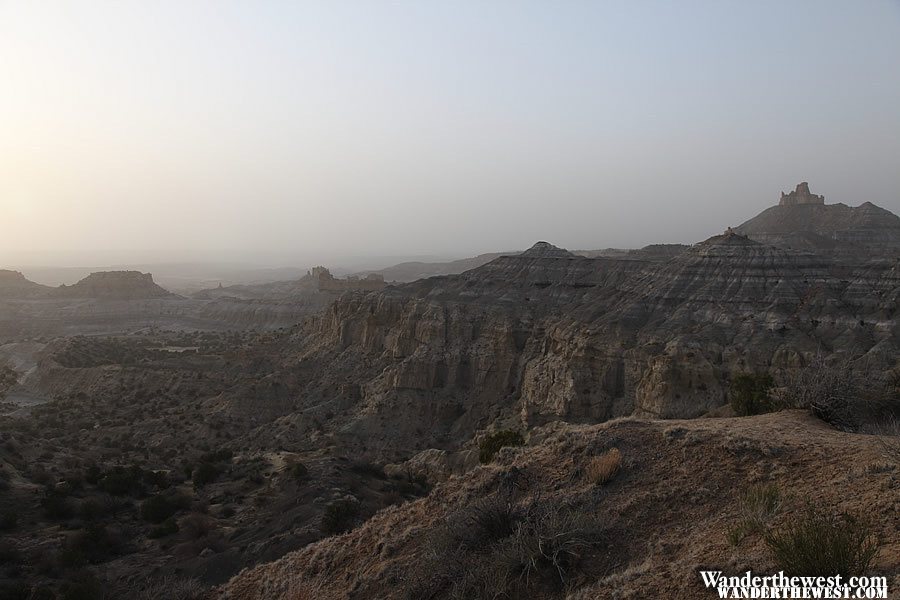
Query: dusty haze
{"x": 278, "y": 133}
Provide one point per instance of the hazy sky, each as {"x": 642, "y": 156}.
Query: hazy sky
{"x": 280, "y": 132}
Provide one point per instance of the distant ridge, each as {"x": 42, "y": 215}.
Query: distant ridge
{"x": 14, "y": 285}
{"x": 114, "y": 285}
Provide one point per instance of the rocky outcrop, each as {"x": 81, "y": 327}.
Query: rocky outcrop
{"x": 801, "y": 195}
{"x": 803, "y": 221}
{"x": 114, "y": 285}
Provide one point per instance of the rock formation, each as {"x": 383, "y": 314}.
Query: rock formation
{"x": 114, "y": 285}
{"x": 532, "y": 338}
{"x": 803, "y": 221}
{"x": 801, "y": 195}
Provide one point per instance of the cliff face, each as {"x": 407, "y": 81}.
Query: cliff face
{"x": 532, "y": 338}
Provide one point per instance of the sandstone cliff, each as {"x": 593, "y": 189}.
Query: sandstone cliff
{"x": 542, "y": 336}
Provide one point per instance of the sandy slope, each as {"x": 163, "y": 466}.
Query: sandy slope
{"x": 668, "y": 511}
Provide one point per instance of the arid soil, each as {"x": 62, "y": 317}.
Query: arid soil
{"x": 664, "y": 515}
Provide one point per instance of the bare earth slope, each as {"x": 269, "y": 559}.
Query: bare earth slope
{"x": 666, "y": 514}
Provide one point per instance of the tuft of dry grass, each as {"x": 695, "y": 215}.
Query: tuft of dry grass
{"x": 757, "y": 506}
{"x": 601, "y": 469}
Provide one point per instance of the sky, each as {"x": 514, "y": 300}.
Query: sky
{"x": 286, "y": 133}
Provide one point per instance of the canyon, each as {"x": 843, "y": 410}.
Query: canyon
{"x": 384, "y": 394}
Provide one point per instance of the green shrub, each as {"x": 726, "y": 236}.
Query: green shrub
{"x": 492, "y": 444}
{"x": 749, "y": 394}
{"x": 339, "y": 516}
{"x": 819, "y": 544}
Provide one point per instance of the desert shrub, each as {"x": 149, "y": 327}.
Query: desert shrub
{"x": 339, "y": 516}
{"x": 160, "y": 507}
{"x": 757, "y": 506}
{"x": 204, "y": 474}
{"x": 601, "y": 469}
{"x": 298, "y": 471}
{"x": 220, "y": 455}
{"x": 56, "y": 504}
{"x": 9, "y": 518}
{"x": 9, "y": 554}
{"x": 492, "y": 444}
{"x": 496, "y": 549}
{"x": 368, "y": 468}
{"x": 409, "y": 484}
{"x": 819, "y": 544}
{"x": 749, "y": 394}
{"x": 92, "y": 545}
{"x": 839, "y": 393}
{"x": 82, "y": 585}
{"x": 15, "y": 590}
{"x": 172, "y": 588}
{"x": 122, "y": 481}
{"x": 166, "y": 528}
{"x": 90, "y": 510}
{"x": 197, "y": 526}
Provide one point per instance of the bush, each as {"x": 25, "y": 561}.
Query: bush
{"x": 492, "y": 444}
{"x": 497, "y": 549}
{"x": 172, "y": 588}
{"x": 206, "y": 473}
{"x": 838, "y": 393}
{"x": 823, "y": 545}
{"x": 8, "y": 520}
{"x": 298, "y": 471}
{"x": 82, "y": 586}
{"x": 56, "y": 505}
{"x": 601, "y": 469}
{"x": 166, "y": 528}
{"x": 92, "y": 545}
{"x": 339, "y": 516}
{"x": 749, "y": 394}
{"x": 157, "y": 509}
{"x": 122, "y": 481}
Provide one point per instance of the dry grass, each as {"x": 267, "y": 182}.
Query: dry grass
{"x": 601, "y": 469}
{"x": 757, "y": 506}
